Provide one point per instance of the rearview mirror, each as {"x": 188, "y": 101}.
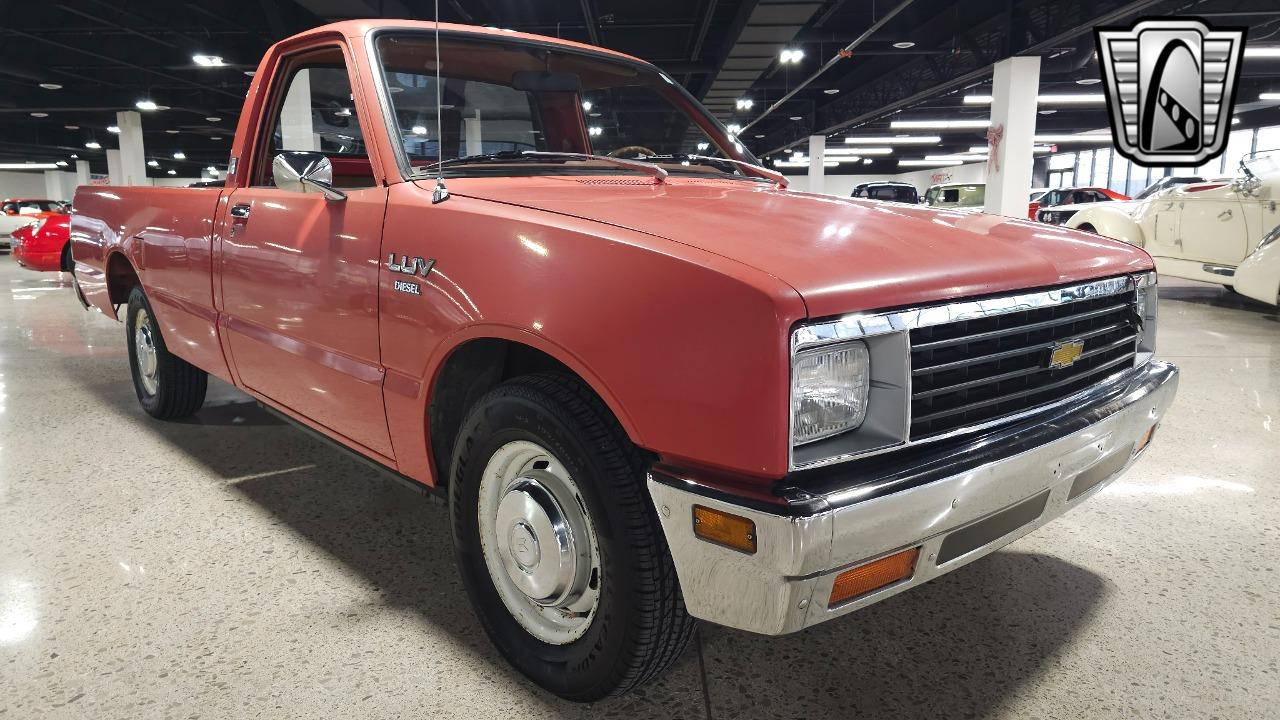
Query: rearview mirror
{"x": 545, "y": 81}
{"x": 300, "y": 171}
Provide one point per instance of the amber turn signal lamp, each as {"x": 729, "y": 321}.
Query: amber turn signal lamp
{"x": 1145, "y": 439}
{"x": 722, "y": 528}
{"x": 873, "y": 576}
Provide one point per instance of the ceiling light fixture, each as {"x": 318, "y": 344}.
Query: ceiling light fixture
{"x": 51, "y": 86}
{"x": 153, "y": 163}
{"x": 213, "y": 118}
{"x": 894, "y": 140}
{"x": 1088, "y": 81}
{"x": 28, "y": 166}
{"x": 113, "y": 129}
{"x": 146, "y": 105}
{"x": 71, "y": 127}
{"x": 790, "y": 56}
{"x": 173, "y": 172}
{"x": 796, "y": 118}
{"x": 1104, "y": 138}
{"x": 702, "y": 146}
{"x": 179, "y": 155}
{"x": 904, "y": 45}
{"x": 207, "y": 60}
{"x": 418, "y": 130}
{"x": 734, "y": 128}
{"x": 93, "y": 145}
{"x": 75, "y": 156}
{"x": 859, "y": 151}
{"x": 1049, "y": 99}
{"x": 586, "y": 106}
{"x": 1235, "y": 121}
{"x": 172, "y": 132}
{"x": 928, "y": 163}
{"x": 40, "y": 114}
{"x": 745, "y": 103}
{"x": 61, "y": 163}
{"x": 595, "y": 130}
{"x": 866, "y": 161}
{"x": 1262, "y": 52}
{"x": 1269, "y": 96}
{"x": 831, "y": 91}
{"x": 940, "y": 124}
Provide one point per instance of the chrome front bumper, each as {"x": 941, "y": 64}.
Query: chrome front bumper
{"x": 957, "y": 503}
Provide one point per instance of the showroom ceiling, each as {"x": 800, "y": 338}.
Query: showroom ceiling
{"x": 66, "y": 68}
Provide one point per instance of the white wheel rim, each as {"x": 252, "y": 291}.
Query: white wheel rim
{"x": 144, "y": 346}
{"x": 538, "y": 543}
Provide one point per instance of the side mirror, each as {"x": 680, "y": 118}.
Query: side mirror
{"x": 303, "y": 172}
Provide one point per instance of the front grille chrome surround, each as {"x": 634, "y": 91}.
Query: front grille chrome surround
{"x": 978, "y": 363}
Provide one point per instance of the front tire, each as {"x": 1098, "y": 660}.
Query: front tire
{"x": 558, "y": 544}
{"x": 167, "y": 386}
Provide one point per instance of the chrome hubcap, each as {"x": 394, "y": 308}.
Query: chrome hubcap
{"x": 145, "y": 349}
{"x": 538, "y": 543}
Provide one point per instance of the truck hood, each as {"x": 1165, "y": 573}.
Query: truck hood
{"x": 841, "y": 255}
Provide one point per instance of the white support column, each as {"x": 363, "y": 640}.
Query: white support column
{"x": 1014, "y": 85}
{"x": 82, "y": 172}
{"x": 115, "y": 172}
{"x": 817, "y": 156}
{"x": 133, "y": 158}
{"x": 53, "y": 185}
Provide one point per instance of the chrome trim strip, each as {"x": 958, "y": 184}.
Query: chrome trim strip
{"x": 858, "y": 326}
{"x": 1223, "y": 270}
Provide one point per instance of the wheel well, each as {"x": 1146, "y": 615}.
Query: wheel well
{"x": 1087, "y": 228}
{"x": 472, "y": 370}
{"x": 121, "y": 278}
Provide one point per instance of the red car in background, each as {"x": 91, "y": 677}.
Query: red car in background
{"x": 44, "y": 244}
{"x": 1072, "y": 196}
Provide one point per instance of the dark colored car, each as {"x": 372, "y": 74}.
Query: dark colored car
{"x": 892, "y": 191}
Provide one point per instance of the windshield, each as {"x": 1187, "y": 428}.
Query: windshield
{"x": 956, "y": 195}
{"x": 1263, "y": 163}
{"x": 512, "y": 96}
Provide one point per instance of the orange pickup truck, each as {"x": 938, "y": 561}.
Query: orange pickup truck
{"x": 655, "y": 384}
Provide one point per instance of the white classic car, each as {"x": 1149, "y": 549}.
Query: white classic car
{"x": 17, "y": 213}
{"x": 1220, "y": 231}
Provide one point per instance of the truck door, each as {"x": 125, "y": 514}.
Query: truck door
{"x": 300, "y": 273}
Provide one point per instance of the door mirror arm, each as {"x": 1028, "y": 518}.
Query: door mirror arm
{"x": 304, "y": 171}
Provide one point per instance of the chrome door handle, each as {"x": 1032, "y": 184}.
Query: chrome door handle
{"x": 1225, "y": 215}
{"x": 241, "y": 212}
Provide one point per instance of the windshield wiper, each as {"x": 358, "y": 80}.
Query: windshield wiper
{"x": 763, "y": 172}
{"x": 656, "y": 172}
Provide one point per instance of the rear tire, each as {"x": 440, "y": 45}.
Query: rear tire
{"x": 626, "y": 622}
{"x": 167, "y": 386}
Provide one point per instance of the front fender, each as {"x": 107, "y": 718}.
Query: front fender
{"x": 1109, "y": 223}
{"x": 1258, "y": 276}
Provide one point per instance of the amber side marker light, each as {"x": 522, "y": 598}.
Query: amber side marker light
{"x": 873, "y": 576}
{"x": 722, "y": 528}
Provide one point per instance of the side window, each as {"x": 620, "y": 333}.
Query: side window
{"x": 315, "y": 111}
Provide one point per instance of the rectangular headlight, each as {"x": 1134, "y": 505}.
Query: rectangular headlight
{"x": 829, "y": 388}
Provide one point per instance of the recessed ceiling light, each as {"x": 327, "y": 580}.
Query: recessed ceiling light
{"x": 153, "y": 163}
{"x": 179, "y": 155}
{"x": 71, "y": 127}
{"x": 831, "y": 91}
{"x": 796, "y": 117}
{"x": 745, "y": 103}
{"x": 212, "y": 118}
{"x": 586, "y": 106}
{"x": 904, "y": 45}
{"x": 51, "y": 86}
{"x": 61, "y": 163}
{"x": 39, "y": 114}
{"x": 93, "y": 145}
{"x": 146, "y": 105}
{"x": 113, "y": 129}
{"x": 216, "y": 137}
{"x": 866, "y": 161}
{"x": 75, "y": 156}
{"x": 172, "y": 132}
{"x": 1088, "y": 81}
{"x": 1235, "y": 121}
{"x": 760, "y": 135}
{"x": 595, "y": 130}
{"x": 173, "y": 172}
{"x": 207, "y": 60}
{"x": 418, "y": 130}
{"x": 1048, "y": 112}
{"x": 250, "y": 73}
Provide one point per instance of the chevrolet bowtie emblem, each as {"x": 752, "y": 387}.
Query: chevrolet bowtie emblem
{"x": 1064, "y": 354}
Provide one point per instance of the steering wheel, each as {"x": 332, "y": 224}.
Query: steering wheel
{"x": 631, "y": 151}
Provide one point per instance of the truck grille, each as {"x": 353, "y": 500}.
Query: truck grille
{"x": 969, "y": 372}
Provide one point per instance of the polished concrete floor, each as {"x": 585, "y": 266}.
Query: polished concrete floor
{"x": 231, "y": 567}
